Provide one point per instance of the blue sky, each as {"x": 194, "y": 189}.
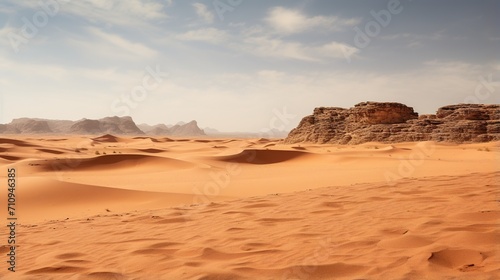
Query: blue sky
{"x": 237, "y": 65}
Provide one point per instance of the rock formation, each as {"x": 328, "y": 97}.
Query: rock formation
{"x": 394, "y": 122}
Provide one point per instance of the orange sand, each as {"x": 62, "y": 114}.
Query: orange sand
{"x": 158, "y": 208}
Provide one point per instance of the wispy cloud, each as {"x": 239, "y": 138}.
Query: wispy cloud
{"x": 4, "y": 35}
{"x": 169, "y": 2}
{"x": 203, "y": 12}
{"x": 412, "y": 40}
{"x": 272, "y": 47}
{"x": 122, "y": 43}
{"x": 279, "y": 48}
{"x": 111, "y": 47}
{"x": 210, "y": 35}
{"x": 119, "y": 12}
{"x": 288, "y": 21}
{"x": 115, "y": 12}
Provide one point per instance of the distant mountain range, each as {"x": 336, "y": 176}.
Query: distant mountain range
{"x": 109, "y": 125}
{"x": 180, "y": 129}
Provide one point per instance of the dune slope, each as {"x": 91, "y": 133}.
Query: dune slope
{"x": 130, "y": 208}
{"x": 437, "y": 227}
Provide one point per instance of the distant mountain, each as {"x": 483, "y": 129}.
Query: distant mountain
{"x": 35, "y": 126}
{"x": 86, "y": 127}
{"x": 30, "y": 126}
{"x": 180, "y": 129}
{"x": 109, "y": 125}
{"x": 159, "y": 129}
{"x": 210, "y": 131}
{"x": 189, "y": 129}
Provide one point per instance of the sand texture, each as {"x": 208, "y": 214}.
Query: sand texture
{"x": 158, "y": 208}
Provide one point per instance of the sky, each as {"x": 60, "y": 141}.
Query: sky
{"x": 242, "y": 65}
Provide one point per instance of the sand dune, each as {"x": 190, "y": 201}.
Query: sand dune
{"x": 53, "y": 199}
{"x": 120, "y": 163}
{"x": 126, "y": 208}
{"x": 327, "y": 233}
{"x": 256, "y": 156}
{"x": 107, "y": 138}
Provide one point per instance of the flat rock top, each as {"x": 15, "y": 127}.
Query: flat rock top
{"x": 392, "y": 122}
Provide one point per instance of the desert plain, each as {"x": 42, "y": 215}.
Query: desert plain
{"x": 162, "y": 208}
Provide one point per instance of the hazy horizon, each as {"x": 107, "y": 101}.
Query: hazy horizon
{"x": 242, "y": 65}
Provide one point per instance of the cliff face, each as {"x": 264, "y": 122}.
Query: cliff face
{"x": 394, "y": 122}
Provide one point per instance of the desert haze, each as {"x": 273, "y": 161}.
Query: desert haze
{"x": 124, "y": 207}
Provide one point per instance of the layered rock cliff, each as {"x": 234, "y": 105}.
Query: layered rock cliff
{"x": 389, "y": 122}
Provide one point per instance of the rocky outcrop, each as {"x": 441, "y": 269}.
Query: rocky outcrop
{"x": 390, "y": 122}
{"x": 381, "y": 113}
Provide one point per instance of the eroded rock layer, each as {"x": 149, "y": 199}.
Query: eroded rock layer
{"x": 389, "y": 122}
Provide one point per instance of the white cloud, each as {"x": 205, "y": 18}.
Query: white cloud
{"x": 169, "y": 2}
{"x": 203, "y": 12}
{"x": 271, "y": 75}
{"x": 278, "y": 48}
{"x": 290, "y": 21}
{"x": 272, "y": 47}
{"x": 121, "y": 43}
{"x": 412, "y": 40}
{"x": 115, "y": 12}
{"x": 453, "y": 67}
{"x": 257, "y": 41}
{"x": 337, "y": 50}
{"x": 210, "y": 35}
{"x": 5, "y": 33}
